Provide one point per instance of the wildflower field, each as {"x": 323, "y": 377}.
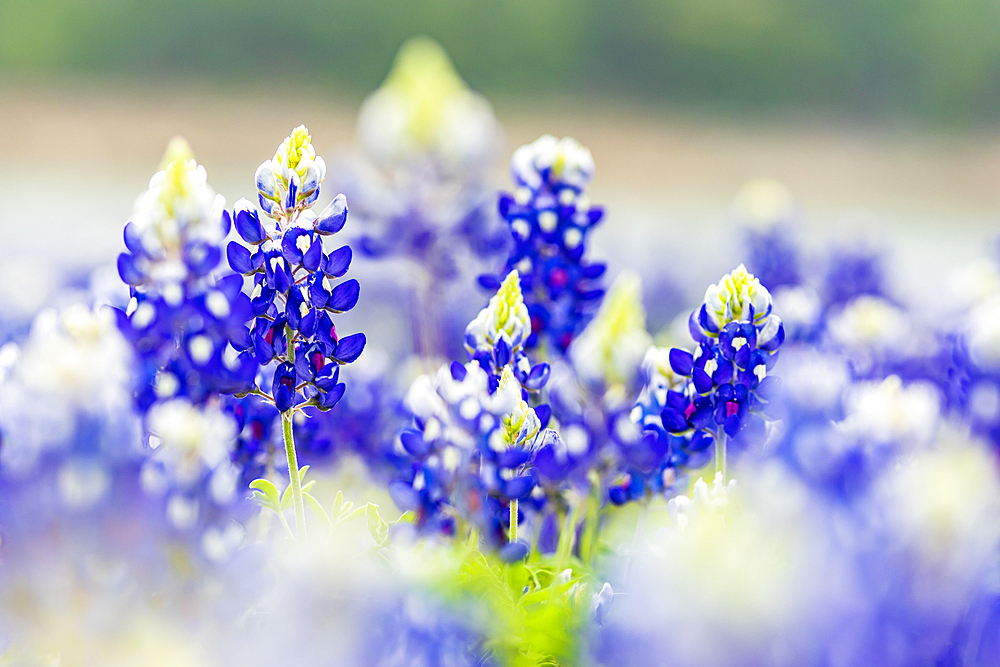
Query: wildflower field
{"x": 373, "y": 412}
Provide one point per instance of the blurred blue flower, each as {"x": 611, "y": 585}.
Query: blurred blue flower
{"x": 188, "y": 328}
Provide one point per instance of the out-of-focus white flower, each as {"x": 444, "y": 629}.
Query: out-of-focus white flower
{"x": 191, "y": 439}
{"x": 800, "y": 307}
{"x": 334, "y": 606}
{"x": 505, "y": 315}
{"x": 424, "y": 109}
{"x": 974, "y": 282}
{"x": 870, "y": 323}
{"x": 78, "y": 355}
{"x": 734, "y": 579}
{"x": 611, "y": 348}
{"x": 763, "y": 203}
{"x": 943, "y": 506}
{"x": 982, "y": 331}
{"x": 551, "y": 161}
{"x": 704, "y": 499}
{"x": 887, "y": 412}
{"x": 736, "y": 298}
{"x": 74, "y": 364}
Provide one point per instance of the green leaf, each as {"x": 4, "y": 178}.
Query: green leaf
{"x": 337, "y": 503}
{"x": 377, "y": 528}
{"x": 286, "y": 498}
{"x": 261, "y": 499}
{"x": 265, "y": 493}
{"x": 351, "y": 516}
{"x": 407, "y": 517}
{"x": 302, "y": 473}
{"x": 316, "y": 507}
{"x": 308, "y": 485}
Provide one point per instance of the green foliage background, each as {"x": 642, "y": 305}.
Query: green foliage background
{"x": 930, "y": 58}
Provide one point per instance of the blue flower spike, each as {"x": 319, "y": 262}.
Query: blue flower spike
{"x": 550, "y": 217}
{"x": 293, "y": 297}
{"x": 187, "y": 326}
{"x": 725, "y": 379}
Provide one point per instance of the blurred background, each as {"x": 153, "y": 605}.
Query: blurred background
{"x": 882, "y": 118}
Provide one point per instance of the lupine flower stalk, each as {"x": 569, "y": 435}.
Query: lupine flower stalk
{"x": 550, "y": 216}
{"x": 728, "y": 382}
{"x": 293, "y": 334}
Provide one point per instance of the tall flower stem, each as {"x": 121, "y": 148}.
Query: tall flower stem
{"x": 513, "y": 520}
{"x": 293, "y": 460}
{"x": 720, "y": 453}
{"x": 293, "y": 474}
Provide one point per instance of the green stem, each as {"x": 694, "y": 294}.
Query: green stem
{"x": 720, "y": 453}
{"x": 293, "y": 475}
{"x": 513, "y": 520}
{"x": 567, "y": 536}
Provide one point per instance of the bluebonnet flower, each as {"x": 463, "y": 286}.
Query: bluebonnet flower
{"x": 603, "y": 445}
{"x": 608, "y": 353}
{"x": 474, "y": 434}
{"x": 653, "y": 460}
{"x": 422, "y": 197}
{"x": 883, "y": 575}
{"x": 291, "y": 271}
{"x": 188, "y": 329}
{"x": 852, "y": 271}
{"x": 597, "y": 413}
{"x": 253, "y": 450}
{"x": 468, "y": 449}
{"x": 767, "y": 213}
{"x": 971, "y": 379}
{"x": 737, "y": 336}
{"x": 550, "y": 216}
{"x": 195, "y": 472}
{"x": 497, "y": 337}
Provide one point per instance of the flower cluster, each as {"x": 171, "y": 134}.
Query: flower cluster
{"x": 727, "y": 385}
{"x": 474, "y": 435}
{"x": 188, "y": 328}
{"x": 291, "y": 270}
{"x": 363, "y": 424}
{"x": 467, "y": 448}
{"x": 550, "y": 216}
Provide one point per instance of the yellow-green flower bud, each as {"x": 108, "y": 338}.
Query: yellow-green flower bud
{"x": 505, "y": 314}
